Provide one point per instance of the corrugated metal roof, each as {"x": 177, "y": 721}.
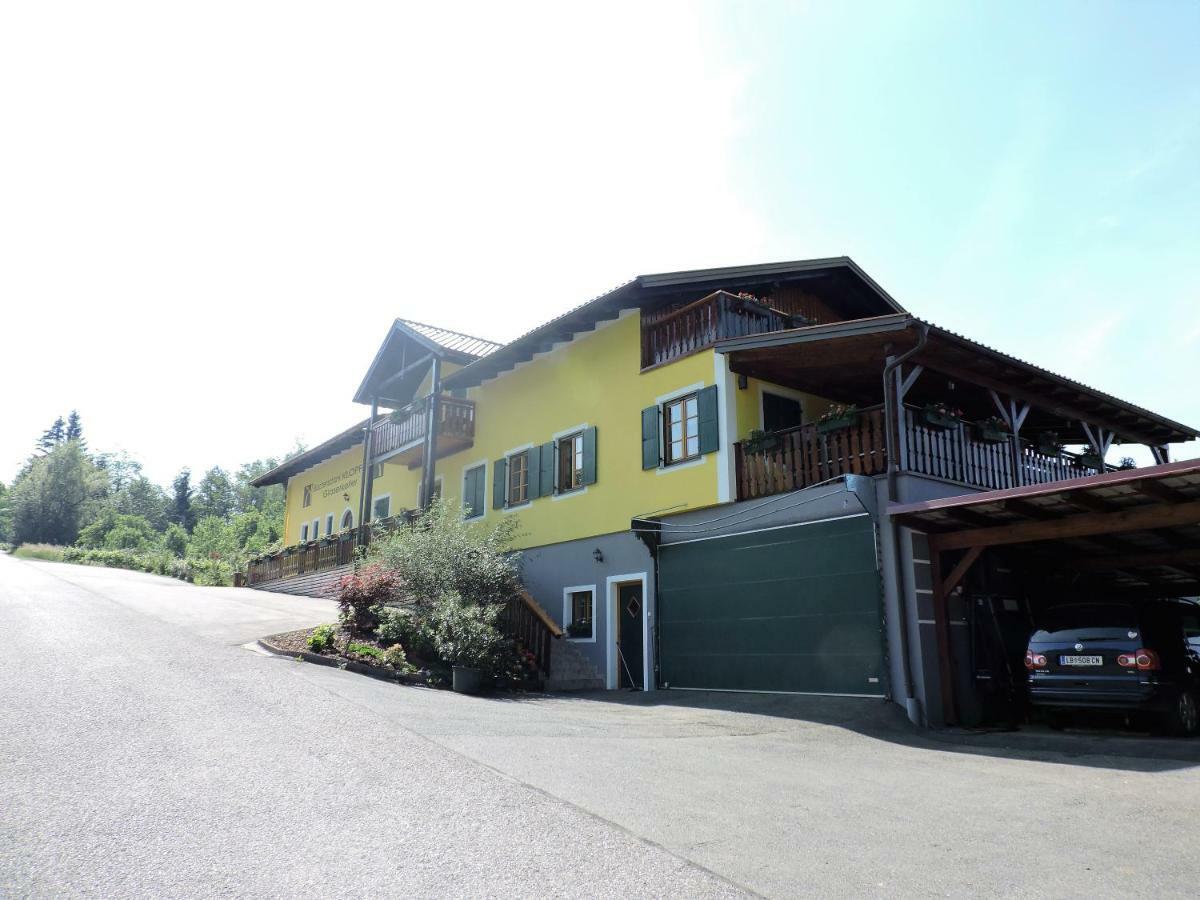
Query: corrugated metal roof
{"x": 452, "y": 340}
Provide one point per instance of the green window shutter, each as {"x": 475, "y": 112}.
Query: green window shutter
{"x": 650, "y": 437}
{"x": 706, "y": 407}
{"x": 589, "y": 455}
{"x": 534, "y": 457}
{"x": 499, "y": 482}
{"x": 546, "y": 470}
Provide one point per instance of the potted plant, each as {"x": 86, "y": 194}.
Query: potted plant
{"x": 1090, "y": 459}
{"x": 466, "y": 638}
{"x": 992, "y": 430}
{"x": 760, "y": 442}
{"x": 837, "y": 417}
{"x": 1049, "y": 444}
{"x": 940, "y": 415}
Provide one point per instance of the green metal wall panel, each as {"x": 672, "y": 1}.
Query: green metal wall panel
{"x": 785, "y": 609}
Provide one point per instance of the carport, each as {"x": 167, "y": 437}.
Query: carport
{"x": 1132, "y": 534}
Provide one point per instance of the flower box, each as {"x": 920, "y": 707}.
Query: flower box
{"x": 940, "y": 420}
{"x": 991, "y": 434}
{"x": 1092, "y": 461}
{"x": 840, "y": 423}
{"x": 580, "y": 629}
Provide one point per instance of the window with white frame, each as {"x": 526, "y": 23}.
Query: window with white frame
{"x": 304, "y": 532}
{"x": 570, "y": 463}
{"x": 347, "y": 520}
{"x": 316, "y": 529}
{"x": 474, "y": 491}
{"x": 518, "y": 478}
{"x": 579, "y": 612}
{"x": 681, "y": 429}
{"x": 381, "y": 507}
{"x": 329, "y": 524}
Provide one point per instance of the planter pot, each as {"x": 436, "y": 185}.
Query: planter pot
{"x": 937, "y": 420}
{"x": 990, "y": 435}
{"x": 839, "y": 424}
{"x": 466, "y": 680}
{"x": 1049, "y": 449}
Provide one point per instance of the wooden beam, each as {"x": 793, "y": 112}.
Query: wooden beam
{"x": 1150, "y": 487}
{"x": 941, "y": 626}
{"x": 1139, "y": 518}
{"x": 959, "y": 572}
{"x": 1134, "y": 560}
{"x": 1039, "y": 399}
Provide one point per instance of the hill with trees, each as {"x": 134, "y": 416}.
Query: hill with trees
{"x": 101, "y": 507}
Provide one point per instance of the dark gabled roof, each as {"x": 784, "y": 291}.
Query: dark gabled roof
{"x": 952, "y": 353}
{"x": 410, "y": 346}
{"x": 649, "y": 290}
{"x": 309, "y": 458}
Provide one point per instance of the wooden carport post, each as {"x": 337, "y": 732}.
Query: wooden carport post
{"x": 942, "y": 589}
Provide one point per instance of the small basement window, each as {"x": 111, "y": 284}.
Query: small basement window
{"x": 381, "y": 507}
{"x": 578, "y": 614}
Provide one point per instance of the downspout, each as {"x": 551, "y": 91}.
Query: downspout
{"x": 364, "y": 493}
{"x": 891, "y": 429}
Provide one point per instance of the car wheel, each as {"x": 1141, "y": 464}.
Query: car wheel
{"x": 1184, "y": 718}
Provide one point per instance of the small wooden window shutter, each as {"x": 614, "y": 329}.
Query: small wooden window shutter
{"x": 546, "y": 471}
{"x": 499, "y": 483}
{"x": 533, "y": 466}
{"x": 650, "y": 437}
{"x": 706, "y": 407}
{"x": 589, "y": 455}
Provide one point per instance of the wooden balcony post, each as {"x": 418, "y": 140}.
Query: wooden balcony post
{"x": 368, "y": 466}
{"x": 429, "y": 457}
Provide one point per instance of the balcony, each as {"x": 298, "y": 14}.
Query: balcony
{"x": 801, "y": 457}
{"x": 401, "y": 436}
{"x": 670, "y": 334}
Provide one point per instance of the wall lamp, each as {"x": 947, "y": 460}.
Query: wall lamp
{"x": 597, "y": 555}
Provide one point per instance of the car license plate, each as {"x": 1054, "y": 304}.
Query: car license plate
{"x": 1081, "y": 660}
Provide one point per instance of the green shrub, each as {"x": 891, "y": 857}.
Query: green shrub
{"x": 395, "y": 657}
{"x": 465, "y": 634}
{"x": 405, "y": 627}
{"x": 175, "y": 539}
{"x": 322, "y": 638}
{"x": 212, "y": 572}
{"x": 441, "y": 555}
{"x": 365, "y": 650}
{"x": 51, "y": 552}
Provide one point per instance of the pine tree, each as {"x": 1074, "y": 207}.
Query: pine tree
{"x": 181, "y": 512}
{"x": 74, "y": 430}
{"x": 53, "y": 436}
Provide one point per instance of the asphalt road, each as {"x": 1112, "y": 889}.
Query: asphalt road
{"x": 144, "y": 751}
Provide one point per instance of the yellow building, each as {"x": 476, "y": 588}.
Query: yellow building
{"x": 696, "y": 443}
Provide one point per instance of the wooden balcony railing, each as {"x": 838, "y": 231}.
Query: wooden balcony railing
{"x": 321, "y": 555}
{"x": 799, "y": 457}
{"x": 803, "y": 456}
{"x": 674, "y": 333}
{"x": 456, "y": 423}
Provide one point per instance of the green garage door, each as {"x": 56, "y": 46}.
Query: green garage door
{"x": 785, "y": 609}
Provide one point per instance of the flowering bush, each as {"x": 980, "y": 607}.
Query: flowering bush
{"x": 467, "y": 635}
{"x": 372, "y": 585}
{"x": 942, "y": 408}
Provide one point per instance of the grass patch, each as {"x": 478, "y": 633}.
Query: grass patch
{"x": 49, "y": 552}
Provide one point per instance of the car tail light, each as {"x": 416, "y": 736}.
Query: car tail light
{"x": 1127, "y": 660}
{"x": 1148, "y": 661}
{"x": 1034, "y": 660}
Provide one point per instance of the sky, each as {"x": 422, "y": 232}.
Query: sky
{"x": 210, "y": 213}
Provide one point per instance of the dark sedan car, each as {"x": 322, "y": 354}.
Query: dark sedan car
{"x": 1132, "y": 657}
